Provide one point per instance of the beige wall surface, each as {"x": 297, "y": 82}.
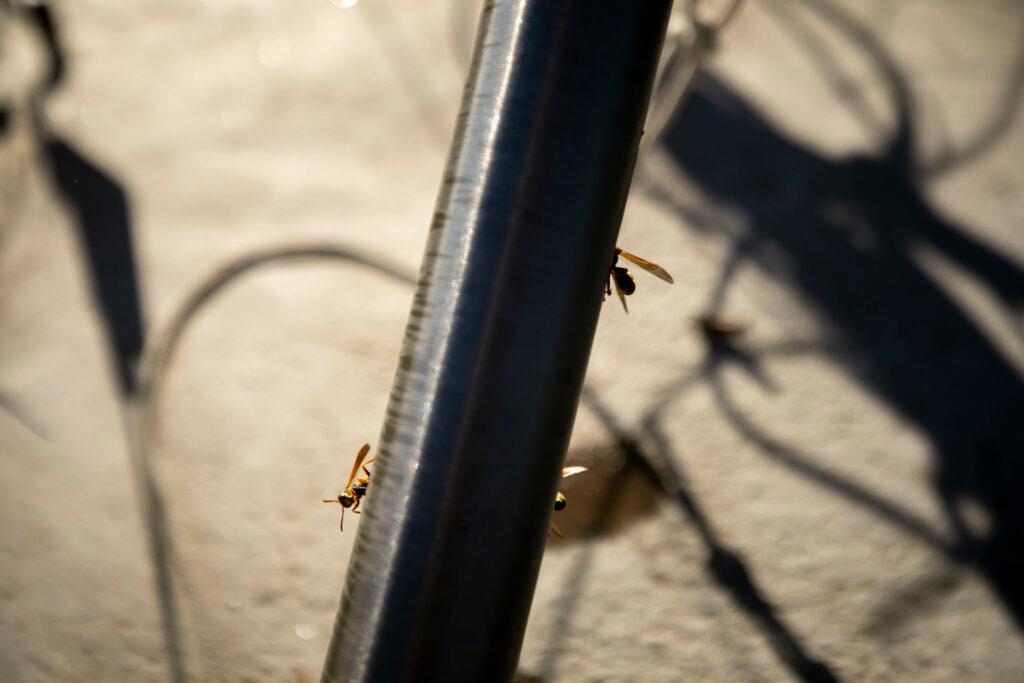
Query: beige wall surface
{"x": 843, "y": 183}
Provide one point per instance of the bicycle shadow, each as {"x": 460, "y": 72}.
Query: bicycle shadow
{"x": 848, "y": 227}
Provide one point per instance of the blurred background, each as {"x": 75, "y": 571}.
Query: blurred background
{"x": 806, "y": 456}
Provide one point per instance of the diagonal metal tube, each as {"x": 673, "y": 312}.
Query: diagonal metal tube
{"x": 446, "y": 557}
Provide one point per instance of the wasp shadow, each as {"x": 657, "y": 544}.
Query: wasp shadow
{"x": 847, "y": 228}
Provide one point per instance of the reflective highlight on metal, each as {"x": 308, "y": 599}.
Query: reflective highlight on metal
{"x": 447, "y": 554}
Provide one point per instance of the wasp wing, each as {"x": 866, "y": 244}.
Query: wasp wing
{"x": 652, "y": 268}
{"x": 622, "y": 296}
{"x": 359, "y": 461}
{"x": 570, "y": 471}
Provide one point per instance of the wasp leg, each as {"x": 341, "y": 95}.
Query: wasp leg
{"x": 367, "y": 463}
{"x": 341, "y": 524}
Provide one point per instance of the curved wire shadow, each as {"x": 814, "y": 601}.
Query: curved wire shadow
{"x": 980, "y": 141}
{"x": 719, "y": 354}
{"x": 162, "y": 347}
{"x": 843, "y": 86}
{"x": 901, "y": 147}
{"x": 143, "y": 415}
{"x": 805, "y": 466}
{"x": 899, "y": 166}
{"x": 986, "y": 136}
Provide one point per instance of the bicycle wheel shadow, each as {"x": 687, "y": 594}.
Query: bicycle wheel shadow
{"x": 847, "y": 228}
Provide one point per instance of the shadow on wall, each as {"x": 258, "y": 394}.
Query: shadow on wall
{"x": 847, "y": 227}
{"x": 99, "y": 208}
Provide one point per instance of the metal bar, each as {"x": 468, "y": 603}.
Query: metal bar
{"x": 446, "y": 557}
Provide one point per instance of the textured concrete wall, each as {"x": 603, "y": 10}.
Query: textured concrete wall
{"x": 841, "y": 477}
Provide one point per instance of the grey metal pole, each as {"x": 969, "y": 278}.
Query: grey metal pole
{"x": 446, "y": 557}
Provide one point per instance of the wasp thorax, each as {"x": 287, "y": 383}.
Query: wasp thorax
{"x": 346, "y": 501}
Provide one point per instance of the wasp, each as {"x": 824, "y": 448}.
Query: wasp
{"x": 352, "y": 494}
{"x": 560, "y": 501}
{"x": 623, "y": 281}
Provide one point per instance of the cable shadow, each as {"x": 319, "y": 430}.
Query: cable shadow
{"x": 804, "y": 465}
{"x": 986, "y": 137}
{"x": 161, "y": 550}
{"x": 845, "y": 87}
{"x": 142, "y": 414}
{"x": 101, "y": 212}
{"x": 848, "y": 227}
{"x": 162, "y": 347}
{"x": 898, "y": 171}
{"x": 981, "y": 140}
{"x": 723, "y": 351}
{"x": 23, "y": 416}
{"x": 847, "y": 90}
{"x": 726, "y": 566}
